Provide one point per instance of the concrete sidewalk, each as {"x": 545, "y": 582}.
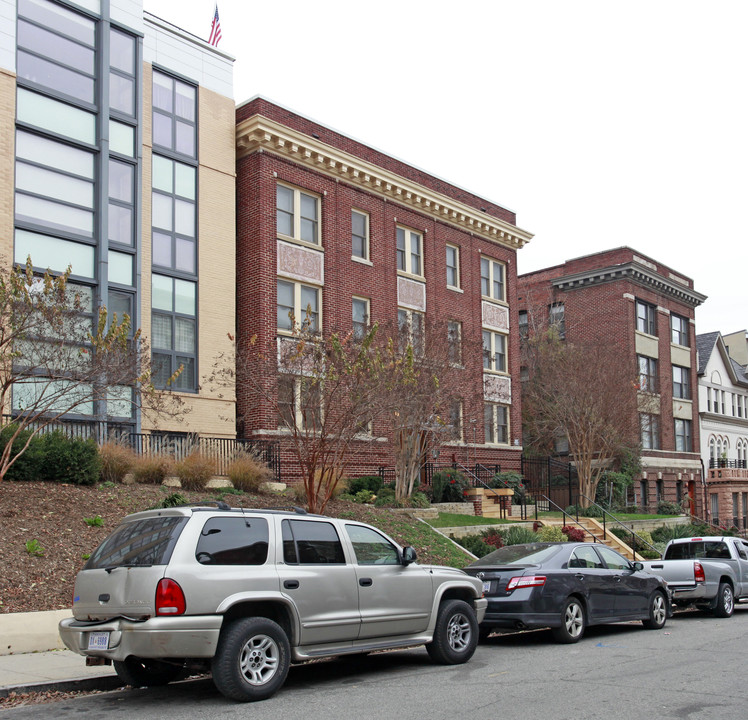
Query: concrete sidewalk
{"x": 61, "y": 670}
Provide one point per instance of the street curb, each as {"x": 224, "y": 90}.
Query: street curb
{"x": 104, "y": 683}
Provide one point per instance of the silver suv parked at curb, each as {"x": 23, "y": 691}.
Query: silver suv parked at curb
{"x": 248, "y": 592}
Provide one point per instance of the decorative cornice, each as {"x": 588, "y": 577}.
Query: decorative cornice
{"x": 260, "y": 133}
{"x": 633, "y": 272}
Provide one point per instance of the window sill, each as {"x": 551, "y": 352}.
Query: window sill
{"x": 301, "y": 243}
{"x": 494, "y": 301}
{"x": 496, "y": 373}
{"x": 362, "y": 261}
{"x": 411, "y": 276}
{"x": 455, "y": 289}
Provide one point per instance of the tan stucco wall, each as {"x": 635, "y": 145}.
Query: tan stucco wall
{"x": 211, "y": 411}
{"x": 7, "y": 153}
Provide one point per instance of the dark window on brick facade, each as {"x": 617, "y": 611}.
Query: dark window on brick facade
{"x": 650, "y": 431}
{"x": 646, "y": 317}
{"x": 679, "y": 330}
{"x": 681, "y": 383}
{"x": 647, "y": 373}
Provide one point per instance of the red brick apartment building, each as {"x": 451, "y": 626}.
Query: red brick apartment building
{"x": 326, "y": 221}
{"x": 625, "y": 298}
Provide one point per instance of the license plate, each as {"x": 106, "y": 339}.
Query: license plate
{"x": 486, "y": 586}
{"x": 98, "y": 640}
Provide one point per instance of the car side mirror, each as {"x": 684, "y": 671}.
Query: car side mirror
{"x": 637, "y": 566}
{"x": 409, "y": 555}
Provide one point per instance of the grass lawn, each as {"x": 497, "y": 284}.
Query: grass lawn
{"x": 619, "y": 516}
{"x": 459, "y": 520}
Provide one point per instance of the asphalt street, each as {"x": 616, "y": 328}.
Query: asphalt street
{"x": 691, "y": 669}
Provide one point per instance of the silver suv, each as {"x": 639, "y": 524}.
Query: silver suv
{"x": 248, "y": 592}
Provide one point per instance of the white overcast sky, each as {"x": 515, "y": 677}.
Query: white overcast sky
{"x": 599, "y": 123}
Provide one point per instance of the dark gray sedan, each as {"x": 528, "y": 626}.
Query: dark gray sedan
{"x": 566, "y": 587}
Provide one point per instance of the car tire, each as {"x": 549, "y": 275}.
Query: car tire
{"x": 573, "y": 622}
{"x": 455, "y": 634}
{"x": 657, "y": 612}
{"x": 725, "y": 601}
{"x": 147, "y": 672}
{"x": 252, "y": 659}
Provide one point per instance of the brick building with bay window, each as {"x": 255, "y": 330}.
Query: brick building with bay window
{"x": 329, "y": 224}
{"x": 646, "y": 309}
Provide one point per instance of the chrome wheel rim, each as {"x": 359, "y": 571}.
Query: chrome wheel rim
{"x": 727, "y": 599}
{"x": 658, "y": 610}
{"x": 574, "y": 619}
{"x": 458, "y": 632}
{"x": 259, "y": 661}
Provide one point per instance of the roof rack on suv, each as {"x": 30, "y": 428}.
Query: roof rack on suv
{"x": 295, "y": 508}
{"x": 207, "y": 503}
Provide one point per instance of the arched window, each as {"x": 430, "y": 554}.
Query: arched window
{"x": 712, "y": 448}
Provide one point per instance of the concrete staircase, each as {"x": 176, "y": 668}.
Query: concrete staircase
{"x": 596, "y": 528}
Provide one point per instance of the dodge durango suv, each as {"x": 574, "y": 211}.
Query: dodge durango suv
{"x": 247, "y": 592}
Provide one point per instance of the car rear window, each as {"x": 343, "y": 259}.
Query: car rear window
{"x": 713, "y": 549}
{"x": 532, "y": 553}
{"x": 140, "y": 543}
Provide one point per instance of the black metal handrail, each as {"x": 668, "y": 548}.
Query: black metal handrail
{"x": 605, "y": 512}
{"x": 565, "y": 515}
{"x": 477, "y": 479}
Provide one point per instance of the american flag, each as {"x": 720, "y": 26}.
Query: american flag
{"x": 215, "y": 30}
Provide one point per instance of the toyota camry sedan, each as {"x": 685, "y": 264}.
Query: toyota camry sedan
{"x": 567, "y": 587}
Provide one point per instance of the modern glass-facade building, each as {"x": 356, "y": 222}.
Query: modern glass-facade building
{"x": 117, "y": 159}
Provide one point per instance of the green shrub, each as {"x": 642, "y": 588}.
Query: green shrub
{"x": 247, "y": 472}
{"x": 419, "y": 500}
{"x": 519, "y": 535}
{"x": 476, "y": 545}
{"x": 551, "y": 533}
{"x": 69, "y": 460}
{"x": 509, "y": 479}
{"x": 372, "y": 483}
{"x": 449, "y": 485}
{"x": 97, "y": 521}
{"x": 28, "y": 466}
{"x": 34, "y": 547}
{"x": 195, "y": 471}
{"x": 591, "y": 511}
{"x": 666, "y": 533}
{"x": 173, "y": 500}
{"x": 363, "y": 496}
{"x": 116, "y": 461}
{"x": 665, "y": 507}
{"x": 152, "y": 469}
{"x": 386, "y": 497}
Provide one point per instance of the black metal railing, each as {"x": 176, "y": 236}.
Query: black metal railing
{"x": 630, "y": 530}
{"x": 725, "y": 463}
{"x": 176, "y": 445}
{"x": 566, "y": 515}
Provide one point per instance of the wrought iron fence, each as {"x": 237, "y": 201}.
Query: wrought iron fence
{"x": 725, "y": 463}
{"x": 176, "y": 445}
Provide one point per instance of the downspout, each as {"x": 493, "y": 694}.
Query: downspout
{"x": 707, "y": 511}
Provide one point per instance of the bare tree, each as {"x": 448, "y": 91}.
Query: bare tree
{"x": 421, "y": 390}
{"x": 587, "y": 392}
{"x": 319, "y": 387}
{"x": 59, "y": 356}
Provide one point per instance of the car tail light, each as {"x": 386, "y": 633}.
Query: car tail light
{"x": 170, "y": 598}
{"x": 698, "y": 572}
{"x": 525, "y": 581}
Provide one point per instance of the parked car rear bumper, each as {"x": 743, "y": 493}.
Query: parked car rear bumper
{"x": 161, "y": 637}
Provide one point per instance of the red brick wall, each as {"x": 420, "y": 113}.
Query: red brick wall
{"x": 257, "y": 175}
{"x": 605, "y": 312}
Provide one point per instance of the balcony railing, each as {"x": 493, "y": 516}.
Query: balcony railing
{"x": 725, "y": 463}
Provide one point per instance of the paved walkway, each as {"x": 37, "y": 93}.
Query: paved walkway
{"x": 53, "y": 670}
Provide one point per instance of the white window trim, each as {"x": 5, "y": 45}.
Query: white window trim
{"x": 458, "y": 323}
{"x": 298, "y": 311}
{"x": 418, "y": 350}
{"x": 492, "y": 339}
{"x": 491, "y": 262}
{"x": 296, "y": 238}
{"x": 456, "y": 248}
{"x": 408, "y": 271}
{"x": 298, "y": 410}
{"x": 494, "y": 424}
{"x": 367, "y": 302}
{"x": 367, "y": 238}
